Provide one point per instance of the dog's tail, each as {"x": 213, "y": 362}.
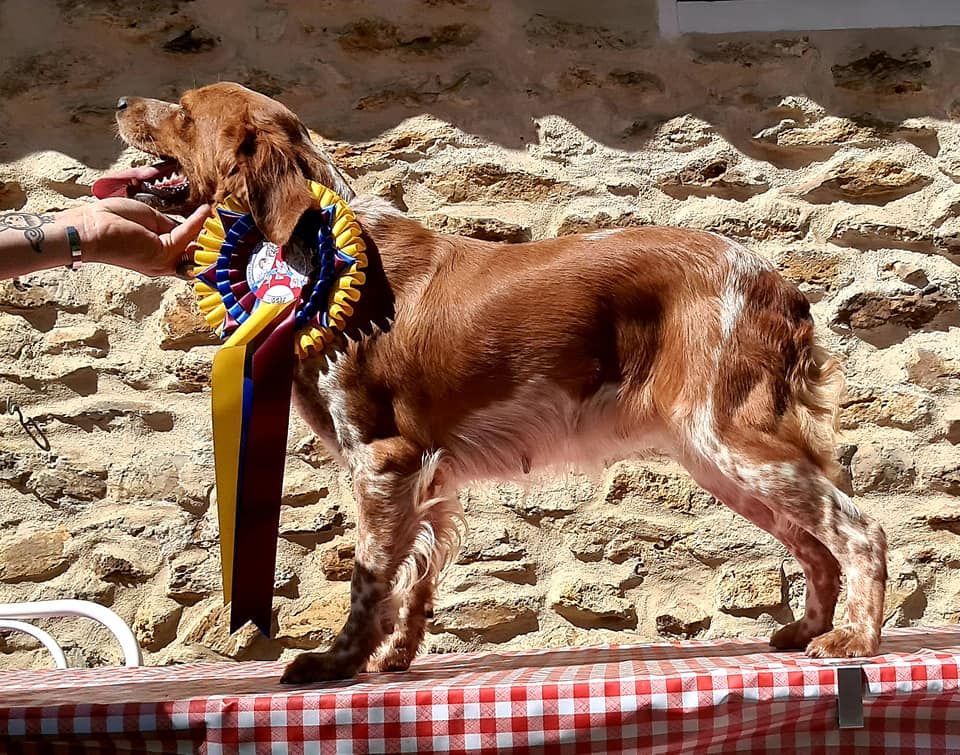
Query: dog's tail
{"x": 817, "y": 384}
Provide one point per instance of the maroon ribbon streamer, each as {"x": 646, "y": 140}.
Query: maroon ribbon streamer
{"x": 268, "y": 382}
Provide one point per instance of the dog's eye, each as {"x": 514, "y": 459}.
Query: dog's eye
{"x": 183, "y": 117}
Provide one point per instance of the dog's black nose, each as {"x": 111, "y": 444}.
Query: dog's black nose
{"x": 122, "y": 103}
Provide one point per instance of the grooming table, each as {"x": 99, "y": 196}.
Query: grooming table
{"x": 691, "y": 696}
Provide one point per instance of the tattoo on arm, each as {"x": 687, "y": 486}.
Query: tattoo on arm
{"x": 29, "y": 224}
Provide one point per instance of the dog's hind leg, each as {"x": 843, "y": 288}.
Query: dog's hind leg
{"x": 801, "y": 498}
{"x": 820, "y": 568}
{"x": 764, "y": 418}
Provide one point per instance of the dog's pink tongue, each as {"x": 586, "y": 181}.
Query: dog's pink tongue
{"x": 115, "y": 185}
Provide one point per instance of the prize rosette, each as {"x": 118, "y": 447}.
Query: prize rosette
{"x": 269, "y": 309}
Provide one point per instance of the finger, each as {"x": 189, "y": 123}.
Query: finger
{"x": 177, "y": 240}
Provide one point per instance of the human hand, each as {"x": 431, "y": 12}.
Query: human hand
{"x": 131, "y": 234}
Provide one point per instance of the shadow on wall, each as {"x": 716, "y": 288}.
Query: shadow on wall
{"x": 490, "y": 67}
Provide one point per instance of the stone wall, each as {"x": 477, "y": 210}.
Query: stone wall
{"x": 837, "y": 155}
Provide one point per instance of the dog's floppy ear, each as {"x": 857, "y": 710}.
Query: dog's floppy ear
{"x": 267, "y": 174}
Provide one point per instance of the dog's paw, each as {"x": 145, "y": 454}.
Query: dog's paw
{"x": 396, "y": 660}
{"x": 844, "y": 642}
{"x": 795, "y": 635}
{"x": 308, "y": 668}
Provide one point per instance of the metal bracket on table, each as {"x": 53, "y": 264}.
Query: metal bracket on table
{"x": 850, "y": 697}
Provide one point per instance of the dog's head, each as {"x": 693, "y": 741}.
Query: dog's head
{"x": 218, "y": 140}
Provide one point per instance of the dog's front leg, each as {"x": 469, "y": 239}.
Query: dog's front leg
{"x": 387, "y": 524}
{"x": 400, "y": 648}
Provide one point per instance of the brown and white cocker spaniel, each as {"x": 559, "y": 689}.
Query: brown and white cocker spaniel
{"x": 475, "y": 360}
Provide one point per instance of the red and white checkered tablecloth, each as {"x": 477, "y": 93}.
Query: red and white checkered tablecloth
{"x": 730, "y": 696}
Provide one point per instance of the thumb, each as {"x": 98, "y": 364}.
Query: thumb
{"x": 176, "y": 242}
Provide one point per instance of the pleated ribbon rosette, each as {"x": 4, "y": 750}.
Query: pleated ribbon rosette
{"x": 269, "y": 311}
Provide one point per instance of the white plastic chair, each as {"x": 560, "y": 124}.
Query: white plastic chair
{"x": 13, "y": 614}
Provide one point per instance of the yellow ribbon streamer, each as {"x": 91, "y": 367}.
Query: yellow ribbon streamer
{"x": 227, "y": 401}
{"x": 227, "y": 382}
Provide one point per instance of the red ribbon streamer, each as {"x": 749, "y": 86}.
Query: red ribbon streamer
{"x": 268, "y": 382}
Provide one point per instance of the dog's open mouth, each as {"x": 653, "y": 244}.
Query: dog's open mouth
{"x": 162, "y": 186}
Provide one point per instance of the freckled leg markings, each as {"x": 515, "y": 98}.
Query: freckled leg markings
{"x": 860, "y": 545}
{"x": 809, "y": 502}
{"x": 820, "y": 568}
{"x": 437, "y": 543}
{"x": 822, "y": 573}
{"x": 386, "y": 527}
{"x": 857, "y": 543}
{"x": 400, "y": 647}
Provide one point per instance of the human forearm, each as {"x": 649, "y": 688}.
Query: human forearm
{"x": 114, "y": 231}
{"x": 34, "y": 241}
